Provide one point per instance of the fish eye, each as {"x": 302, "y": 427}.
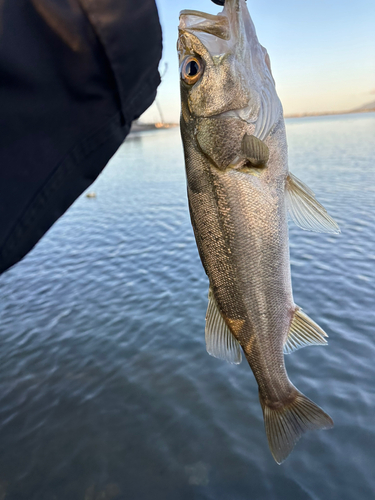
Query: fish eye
{"x": 192, "y": 69}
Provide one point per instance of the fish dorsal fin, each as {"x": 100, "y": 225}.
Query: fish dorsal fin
{"x": 305, "y": 210}
{"x": 255, "y": 150}
{"x": 303, "y": 332}
{"x": 220, "y": 341}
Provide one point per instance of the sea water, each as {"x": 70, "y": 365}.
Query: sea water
{"x": 106, "y": 390}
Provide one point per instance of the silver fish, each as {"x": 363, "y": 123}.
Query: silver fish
{"x": 240, "y": 191}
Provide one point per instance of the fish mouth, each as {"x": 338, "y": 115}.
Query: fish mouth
{"x": 213, "y": 31}
{"x": 196, "y": 21}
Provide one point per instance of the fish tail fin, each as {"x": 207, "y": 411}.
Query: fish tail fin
{"x": 285, "y": 423}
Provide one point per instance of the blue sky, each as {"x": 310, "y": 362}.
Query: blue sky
{"x": 322, "y": 52}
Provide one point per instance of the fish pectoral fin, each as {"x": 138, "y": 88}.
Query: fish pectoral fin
{"x": 285, "y": 422}
{"x": 255, "y": 151}
{"x": 303, "y": 331}
{"x": 220, "y": 342}
{"x": 305, "y": 210}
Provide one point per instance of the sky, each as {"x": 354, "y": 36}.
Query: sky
{"x": 322, "y": 52}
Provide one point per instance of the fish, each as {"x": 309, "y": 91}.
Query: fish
{"x": 240, "y": 192}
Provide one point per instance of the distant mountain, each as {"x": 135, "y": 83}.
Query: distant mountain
{"x": 370, "y": 106}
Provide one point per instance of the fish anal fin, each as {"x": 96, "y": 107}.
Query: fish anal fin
{"x": 285, "y": 423}
{"x": 220, "y": 341}
{"x": 303, "y": 331}
{"x": 305, "y": 210}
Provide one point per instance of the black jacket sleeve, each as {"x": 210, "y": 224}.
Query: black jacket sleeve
{"x": 73, "y": 76}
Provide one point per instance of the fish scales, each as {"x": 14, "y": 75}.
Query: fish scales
{"x": 255, "y": 278}
{"x": 239, "y": 191}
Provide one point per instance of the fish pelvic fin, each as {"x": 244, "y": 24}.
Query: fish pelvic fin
{"x": 285, "y": 423}
{"x": 303, "y": 331}
{"x": 305, "y": 210}
{"x": 220, "y": 342}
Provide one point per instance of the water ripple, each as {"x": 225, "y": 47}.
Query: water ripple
{"x": 106, "y": 390}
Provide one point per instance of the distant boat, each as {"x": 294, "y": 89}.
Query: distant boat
{"x": 142, "y": 127}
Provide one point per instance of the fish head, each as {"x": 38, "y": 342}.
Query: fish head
{"x": 225, "y": 72}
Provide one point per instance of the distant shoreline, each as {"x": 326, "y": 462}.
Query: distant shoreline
{"x": 330, "y": 113}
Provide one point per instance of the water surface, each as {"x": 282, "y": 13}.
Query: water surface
{"x": 106, "y": 391}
